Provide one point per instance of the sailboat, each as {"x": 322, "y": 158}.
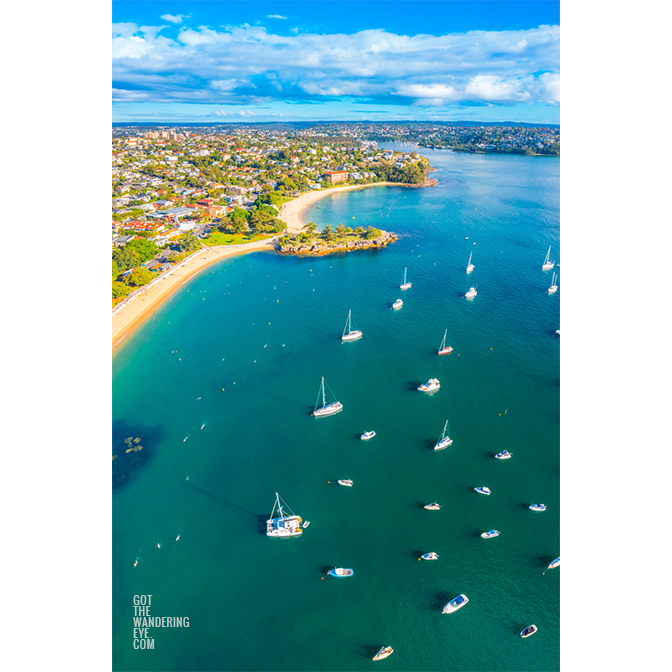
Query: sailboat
{"x": 384, "y": 652}
{"x": 548, "y": 265}
{"x": 471, "y": 293}
{"x": 404, "y": 284}
{"x": 352, "y": 335}
{"x": 444, "y": 440}
{"x": 470, "y": 266}
{"x": 443, "y": 350}
{"x": 282, "y": 525}
{"x": 553, "y": 288}
{"x": 327, "y": 409}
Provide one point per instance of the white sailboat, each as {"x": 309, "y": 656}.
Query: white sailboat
{"x": 553, "y": 288}
{"x": 470, "y": 266}
{"x": 404, "y": 284}
{"x": 326, "y": 409}
{"x": 352, "y": 334}
{"x": 443, "y": 350}
{"x": 471, "y": 293}
{"x": 283, "y": 525}
{"x": 444, "y": 440}
{"x": 548, "y": 264}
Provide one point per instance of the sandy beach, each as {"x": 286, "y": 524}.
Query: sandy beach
{"x": 129, "y": 316}
{"x": 290, "y": 213}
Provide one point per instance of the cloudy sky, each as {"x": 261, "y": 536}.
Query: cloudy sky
{"x": 381, "y": 60}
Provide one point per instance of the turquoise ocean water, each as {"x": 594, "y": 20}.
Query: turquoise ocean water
{"x": 232, "y": 363}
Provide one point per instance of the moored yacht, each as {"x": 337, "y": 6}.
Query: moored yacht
{"x": 504, "y": 455}
{"x": 443, "y": 350}
{"x": 455, "y": 604}
{"x": 537, "y": 507}
{"x": 340, "y": 571}
{"x": 404, "y": 284}
{"x": 352, "y": 334}
{"x": 397, "y": 304}
{"x": 347, "y": 482}
{"x": 429, "y": 556}
{"x": 444, "y": 440}
{"x": 554, "y": 287}
{"x": 384, "y": 652}
{"x": 484, "y": 490}
{"x": 326, "y": 409}
{"x": 432, "y": 507}
{"x": 471, "y": 293}
{"x": 490, "y": 535}
{"x": 367, "y": 435}
{"x": 553, "y": 565}
{"x": 529, "y": 630}
{"x": 470, "y": 266}
{"x": 548, "y": 264}
{"x": 283, "y": 525}
{"x": 430, "y": 386}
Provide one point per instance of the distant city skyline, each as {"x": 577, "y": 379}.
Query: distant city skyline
{"x": 344, "y": 61}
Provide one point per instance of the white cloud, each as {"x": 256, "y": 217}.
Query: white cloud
{"x": 249, "y": 65}
{"x": 275, "y": 16}
{"x": 174, "y": 19}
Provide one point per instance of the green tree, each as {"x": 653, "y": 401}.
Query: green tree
{"x": 119, "y": 289}
{"x": 340, "y": 231}
{"x": 372, "y": 233}
{"x": 328, "y": 233}
{"x": 187, "y": 241}
{"x": 138, "y": 277}
{"x": 115, "y": 269}
{"x": 125, "y": 259}
{"x": 145, "y": 249}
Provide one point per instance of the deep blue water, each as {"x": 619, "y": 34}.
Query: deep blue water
{"x": 241, "y": 350}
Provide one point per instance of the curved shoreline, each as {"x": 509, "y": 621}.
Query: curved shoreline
{"x": 133, "y": 314}
{"x": 291, "y": 212}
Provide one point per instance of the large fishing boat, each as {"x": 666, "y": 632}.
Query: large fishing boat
{"x": 283, "y": 525}
{"x": 326, "y": 409}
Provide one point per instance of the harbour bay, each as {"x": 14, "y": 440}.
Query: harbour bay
{"x": 232, "y": 363}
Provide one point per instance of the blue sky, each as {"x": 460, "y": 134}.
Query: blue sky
{"x": 399, "y": 60}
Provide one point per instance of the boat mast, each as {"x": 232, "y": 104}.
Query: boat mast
{"x": 277, "y": 499}
{"x": 324, "y": 401}
{"x": 469, "y": 258}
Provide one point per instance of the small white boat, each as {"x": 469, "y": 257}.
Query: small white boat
{"x": 504, "y": 455}
{"x": 384, "y": 652}
{"x": 455, "y": 604}
{"x": 432, "y": 507}
{"x": 529, "y": 630}
{"x": 282, "y": 525}
{"x": 470, "y": 266}
{"x": 557, "y": 331}
{"x": 397, "y": 304}
{"x": 554, "y": 287}
{"x": 548, "y": 264}
{"x": 471, "y": 293}
{"x": 443, "y": 350}
{"x": 327, "y": 409}
{"x": 444, "y": 440}
{"x": 347, "y": 482}
{"x": 340, "y": 571}
{"x": 135, "y": 564}
{"x": 484, "y": 490}
{"x": 490, "y": 535}
{"x": 352, "y": 334}
{"x": 305, "y": 524}
{"x": 430, "y": 386}
{"x": 404, "y": 284}
{"x": 367, "y": 435}
{"x": 430, "y": 556}
{"x": 537, "y": 507}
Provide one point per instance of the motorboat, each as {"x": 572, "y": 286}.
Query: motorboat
{"x": 352, "y": 334}
{"x": 432, "y": 507}
{"x": 397, "y": 304}
{"x": 347, "y": 482}
{"x": 384, "y": 652}
{"x": 553, "y": 565}
{"x": 367, "y": 435}
{"x": 339, "y": 571}
{"x": 504, "y": 455}
{"x": 305, "y": 524}
{"x": 491, "y": 534}
{"x": 404, "y": 284}
{"x": 326, "y": 409}
{"x": 444, "y": 440}
{"x": 455, "y": 604}
{"x": 430, "y": 386}
{"x": 471, "y": 293}
{"x": 430, "y": 556}
{"x": 283, "y": 525}
{"x": 443, "y": 350}
{"x": 484, "y": 490}
{"x": 537, "y": 507}
{"x": 529, "y": 630}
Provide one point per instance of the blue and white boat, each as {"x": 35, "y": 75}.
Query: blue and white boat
{"x": 430, "y": 556}
{"x": 444, "y": 440}
{"x": 384, "y": 652}
{"x": 455, "y": 604}
{"x": 491, "y": 534}
{"x": 327, "y": 409}
{"x": 432, "y": 385}
{"x": 537, "y": 507}
{"x": 397, "y": 304}
{"x": 504, "y": 455}
{"x": 484, "y": 490}
{"x": 529, "y": 630}
{"x": 339, "y": 571}
{"x": 282, "y": 525}
{"x": 553, "y": 565}
{"x": 367, "y": 435}
{"x": 471, "y": 293}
